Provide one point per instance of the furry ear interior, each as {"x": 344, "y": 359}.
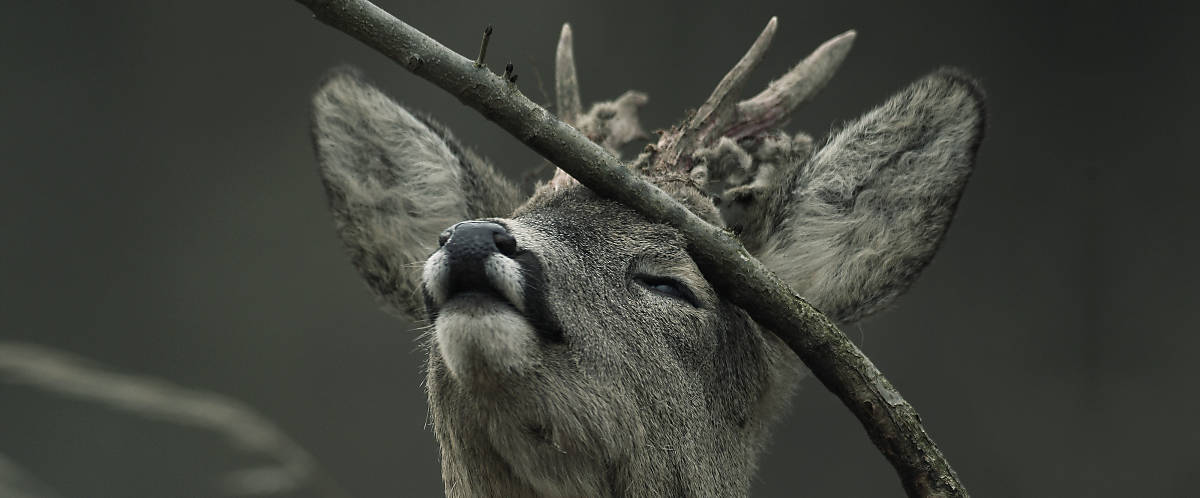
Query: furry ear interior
{"x": 864, "y": 216}
{"x": 394, "y": 182}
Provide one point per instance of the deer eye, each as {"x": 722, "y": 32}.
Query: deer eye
{"x": 668, "y": 287}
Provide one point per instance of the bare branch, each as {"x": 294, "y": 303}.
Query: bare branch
{"x": 487, "y": 35}
{"x": 76, "y": 378}
{"x": 890, "y": 421}
{"x": 566, "y": 83}
{"x": 609, "y": 123}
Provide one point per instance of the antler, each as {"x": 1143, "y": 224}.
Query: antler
{"x": 782, "y": 96}
{"x": 611, "y": 123}
{"x": 566, "y": 84}
{"x": 721, "y": 117}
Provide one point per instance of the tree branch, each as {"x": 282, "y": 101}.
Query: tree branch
{"x": 891, "y": 422}
{"x": 16, "y": 482}
{"x": 73, "y": 377}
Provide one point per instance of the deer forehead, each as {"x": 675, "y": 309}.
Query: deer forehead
{"x": 576, "y": 225}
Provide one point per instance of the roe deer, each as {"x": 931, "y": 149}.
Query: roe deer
{"x": 575, "y": 348}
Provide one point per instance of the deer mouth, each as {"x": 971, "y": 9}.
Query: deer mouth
{"x": 489, "y": 316}
{"x": 496, "y": 279}
{"x": 497, "y": 283}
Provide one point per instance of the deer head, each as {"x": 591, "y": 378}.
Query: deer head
{"x": 574, "y": 347}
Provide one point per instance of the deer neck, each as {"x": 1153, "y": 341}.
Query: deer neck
{"x": 489, "y": 456}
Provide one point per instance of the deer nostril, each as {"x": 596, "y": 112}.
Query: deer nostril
{"x": 468, "y": 252}
{"x": 506, "y": 243}
{"x": 476, "y": 240}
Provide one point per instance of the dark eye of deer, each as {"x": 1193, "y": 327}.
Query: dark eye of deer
{"x": 668, "y": 287}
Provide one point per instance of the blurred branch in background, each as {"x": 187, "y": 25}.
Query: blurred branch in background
{"x": 77, "y": 378}
{"x": 16, "y": 482}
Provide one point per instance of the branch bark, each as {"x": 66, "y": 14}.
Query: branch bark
{"x": 890, "y": 421}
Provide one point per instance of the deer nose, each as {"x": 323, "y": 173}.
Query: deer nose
{"x": 467, "y": 247}
{"x": 476, "y": 240}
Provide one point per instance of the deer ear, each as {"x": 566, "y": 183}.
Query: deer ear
{"x": 861, "y": 220}
{"x": 394, "y": 182}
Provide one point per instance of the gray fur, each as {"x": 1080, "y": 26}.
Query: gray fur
{"x": 395, "y": 181}
{"x": 643, "y": 393}
{"x": 645, "y": 396}
{"x": 866, "y": 214}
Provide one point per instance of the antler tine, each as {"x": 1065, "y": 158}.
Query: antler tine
{"x": 610, "y": 123}
{"x": 566, "y": 89}
{"x": 566, "y": 84}
{"x": 720, "y": 106}
{"x": 783, "y": 95}
{"x": 720, "y": 101}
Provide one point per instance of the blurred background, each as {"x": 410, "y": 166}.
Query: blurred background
{"x": 161, "y": 215}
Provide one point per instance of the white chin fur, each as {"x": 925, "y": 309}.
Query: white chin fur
{"x": 479, "y": 337}
{"x": 505, "y": 276}
{"x": 433, "y": 277}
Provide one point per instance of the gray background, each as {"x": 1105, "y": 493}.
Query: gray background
{"x": 160, "y": 213}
